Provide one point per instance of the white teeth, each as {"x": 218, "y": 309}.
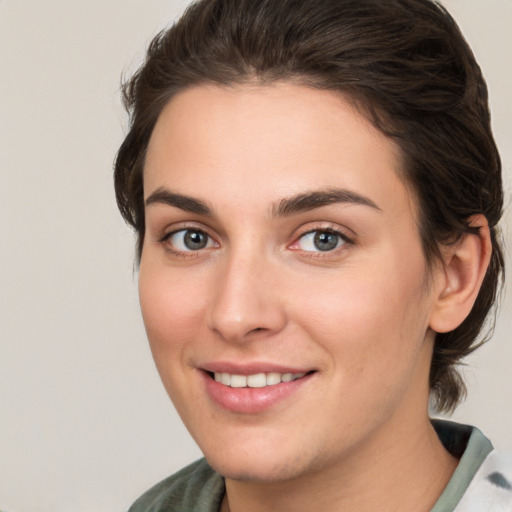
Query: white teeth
{"x": 257, "y": 380}
{"x": 273, "y": 378}
{"x": 238, "y": 381}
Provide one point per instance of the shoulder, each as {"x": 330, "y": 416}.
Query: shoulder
{"x": 196, "y": 487}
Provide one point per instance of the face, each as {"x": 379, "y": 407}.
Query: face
{"x": 282, "y": 280}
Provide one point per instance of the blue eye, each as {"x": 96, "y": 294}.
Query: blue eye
{"x": 320, "y": 241}
{"x": 187, "y": 240}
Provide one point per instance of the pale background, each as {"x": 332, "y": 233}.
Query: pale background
{"x": 84, "y": 422}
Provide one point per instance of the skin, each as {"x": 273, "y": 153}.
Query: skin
{"x": 361, "y": 315}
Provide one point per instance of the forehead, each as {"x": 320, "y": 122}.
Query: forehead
{"x": 250, "y": 142}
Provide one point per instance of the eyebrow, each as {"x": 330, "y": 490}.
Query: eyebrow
{"x": 316, "y": 199}
{"x": 285, "y": 207}
{"x": 189, "y": 204}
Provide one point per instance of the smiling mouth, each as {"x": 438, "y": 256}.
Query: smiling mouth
{"x": 257, "y": 380}
{"x": 238, "y": 391}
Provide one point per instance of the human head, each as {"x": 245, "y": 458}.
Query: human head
{"x": 402, "y": 63}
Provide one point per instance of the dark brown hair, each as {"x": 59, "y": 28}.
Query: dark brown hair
{"x": 404, "y": 63}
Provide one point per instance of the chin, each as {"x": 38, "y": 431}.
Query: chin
{"x": 260, "y": 465}
{"x": 271, "y": 471}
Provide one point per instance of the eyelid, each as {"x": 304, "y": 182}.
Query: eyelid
{"x": 172, "y": 228}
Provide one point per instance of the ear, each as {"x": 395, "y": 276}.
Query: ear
{"x": 465, "y": 265}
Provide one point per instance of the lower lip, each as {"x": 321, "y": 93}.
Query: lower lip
{"x": 251, "y": 400}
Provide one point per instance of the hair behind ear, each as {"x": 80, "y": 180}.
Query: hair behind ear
{"x": 467, "y": 265}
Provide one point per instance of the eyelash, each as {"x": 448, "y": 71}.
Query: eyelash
{"x": 343, "y": 241}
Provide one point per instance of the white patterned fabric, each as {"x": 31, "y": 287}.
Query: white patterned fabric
{"x": 491, "y": 487}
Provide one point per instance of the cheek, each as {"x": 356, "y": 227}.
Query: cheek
{"x": 369, "y": 318}
{"x": 373, "y": 336}
{"x": 171, "y": 308}
{"x": 173, "y": 316}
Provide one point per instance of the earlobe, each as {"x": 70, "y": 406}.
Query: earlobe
{"x": 465, "y": 266}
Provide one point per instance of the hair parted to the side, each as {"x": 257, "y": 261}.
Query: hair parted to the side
{"x": 404, "y": 63}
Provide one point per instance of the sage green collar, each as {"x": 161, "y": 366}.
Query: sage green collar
{"x": 472, "y": 447}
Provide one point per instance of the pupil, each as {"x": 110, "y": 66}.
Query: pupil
{"x": 195, "y": 240}
{"x": 325, "y": 241}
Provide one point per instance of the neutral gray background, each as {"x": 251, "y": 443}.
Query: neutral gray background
{"x": 84, "y": 422}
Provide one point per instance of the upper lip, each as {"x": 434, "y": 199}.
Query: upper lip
{"x": 251, "y": 368}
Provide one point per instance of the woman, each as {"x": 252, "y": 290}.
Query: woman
{"x": 316, "y": 191}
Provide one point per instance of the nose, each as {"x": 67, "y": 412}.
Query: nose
{"x": 247, "y": 302}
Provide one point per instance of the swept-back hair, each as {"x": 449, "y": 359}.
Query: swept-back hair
{"x": 403, "y": 63}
